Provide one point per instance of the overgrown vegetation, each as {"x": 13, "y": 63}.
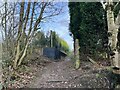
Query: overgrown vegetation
{"x": 91, "y": 27}
{"x": 50, "y": 40}
{"x": 90, "y": 22}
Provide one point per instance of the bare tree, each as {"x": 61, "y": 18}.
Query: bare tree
{"x": 20, "y": 32}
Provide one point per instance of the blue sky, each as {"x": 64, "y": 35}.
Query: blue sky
{"x": 60, "y": 24}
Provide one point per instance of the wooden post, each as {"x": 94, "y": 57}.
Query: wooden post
{"x": 76, "y": 51}
{"x": 51, "y": 41}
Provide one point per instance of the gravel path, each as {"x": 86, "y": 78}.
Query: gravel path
{"x": 63, "y": 75}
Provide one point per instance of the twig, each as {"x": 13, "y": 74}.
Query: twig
{"x": 100, "y": 66}
{"x": 91, "y": 60}
{"x": 116, "y": 5}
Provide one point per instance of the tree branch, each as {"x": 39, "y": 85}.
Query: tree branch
{"x": 116, "y": 5}
{"x": 117, "y": 20}
{"x": 31, "y": 22}
{"x": 104, "y": 4}
{"x": 21, "y": 20}
{"x": 26, "y": 16}
{"x": 53, "y": 14}
{"x": 40, "y": 16}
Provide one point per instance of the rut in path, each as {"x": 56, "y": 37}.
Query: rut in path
{"x": 63, "y": 75}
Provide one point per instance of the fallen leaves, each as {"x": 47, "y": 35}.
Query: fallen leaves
{"x": 60, "y": 75}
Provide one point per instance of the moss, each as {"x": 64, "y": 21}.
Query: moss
{"x": 77, "y": 64}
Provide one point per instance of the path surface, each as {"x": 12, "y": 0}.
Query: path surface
{"x": 63, "y": 75}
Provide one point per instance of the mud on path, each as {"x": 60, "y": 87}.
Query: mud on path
{"x": 63, "y": 75}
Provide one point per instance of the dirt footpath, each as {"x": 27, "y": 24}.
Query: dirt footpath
{"x": 63, "y": 75}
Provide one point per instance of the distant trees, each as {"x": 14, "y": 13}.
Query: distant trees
{"x": 63, "y": 45}
{"x": 41, "y": 40}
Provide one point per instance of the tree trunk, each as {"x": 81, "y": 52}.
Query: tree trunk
{"x": 17, "y": 56}
{"x": 74, "y": 45}
{"x": 113, "y": 32}
{"x": 24, "y": 54}
{"x": 1, "y": 62}
{"x": 51, "y": 39}
{"x": 76, "y": 50}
